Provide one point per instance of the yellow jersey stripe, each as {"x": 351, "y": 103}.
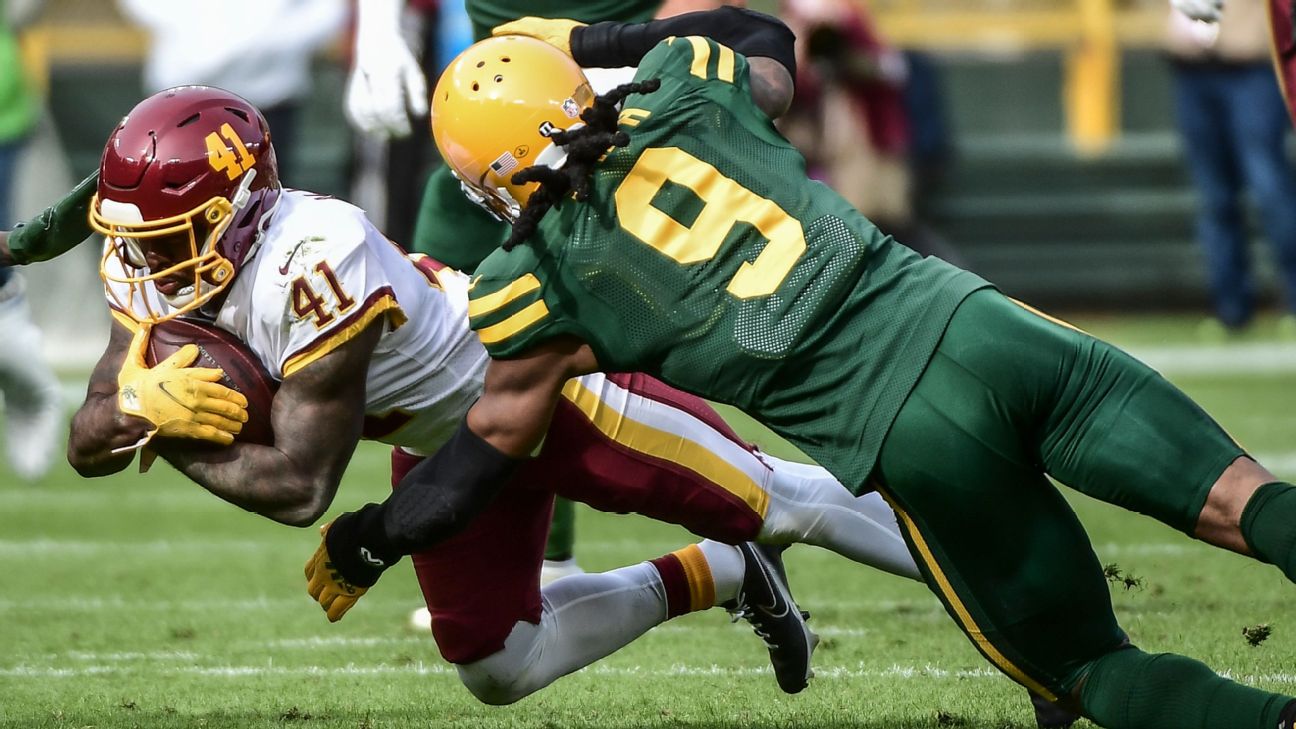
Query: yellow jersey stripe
{"x": 701, "y": 55}
{"x": 701, "y": 584}
{"x": 491, "y": 302}
{"x": 964, "y": 617}
{"x": 646, "y": 439}
{"x": 725, "y": 64}
{"x": 514, "y": 324}
{"x": 385, "y": 305}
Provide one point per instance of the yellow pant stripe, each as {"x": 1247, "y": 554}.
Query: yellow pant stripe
{"x": 700, "y": 583}
{"x": 964, "y": 617}
{"x": 1046, "y": 317}
{"x": 667, "y": 446}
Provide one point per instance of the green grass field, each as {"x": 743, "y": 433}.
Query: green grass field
{"x": 143, "y": 601}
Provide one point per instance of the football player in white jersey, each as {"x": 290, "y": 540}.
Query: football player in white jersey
{"x": 371, "y": 343}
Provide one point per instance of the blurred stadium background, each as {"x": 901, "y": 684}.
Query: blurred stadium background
{"x": 1065, "y": 184}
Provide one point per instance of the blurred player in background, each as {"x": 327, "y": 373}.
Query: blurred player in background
{"x": 370, "y": 343}
{"x": 33, "y": 409}
{"x": 259, "y": 49}
{"x": 695, "y": 246}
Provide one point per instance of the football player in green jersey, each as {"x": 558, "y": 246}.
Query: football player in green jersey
{"x": 387, "y": 81}
{"x": 680, "y": 234}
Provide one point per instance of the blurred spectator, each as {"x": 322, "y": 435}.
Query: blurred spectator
{"x": 1233, "y": 122}
{"x": 869, "y": 119}
{"x": 259, "y": 49}
{"x": 849, "y": 117}
{"x": 387, "y": 98}
{"x": 33, "y": 412}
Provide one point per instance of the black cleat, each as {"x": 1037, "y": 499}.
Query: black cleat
{"x": 1051, "y": 716}
{"x": 766, "y": 602}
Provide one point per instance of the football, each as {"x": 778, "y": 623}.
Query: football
{"x": 219, "y": 348}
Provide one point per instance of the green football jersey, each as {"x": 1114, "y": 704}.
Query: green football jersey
{"x": 486, "y": 14}
{"x": 705, "y": 256}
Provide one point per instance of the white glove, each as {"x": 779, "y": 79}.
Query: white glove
{"x": 1207, "y": 11}
{"x": 386, "y": 85}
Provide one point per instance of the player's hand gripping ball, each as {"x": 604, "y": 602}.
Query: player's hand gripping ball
{"x": 237, "y": 366}
{"x": 176, "y": 398}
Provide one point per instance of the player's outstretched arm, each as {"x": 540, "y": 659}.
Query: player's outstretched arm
{"x": 768, "y": 44}
{"x": 55, "y": 231}
{"x": 444, "y": 492}
{"x": 318, "y": 415}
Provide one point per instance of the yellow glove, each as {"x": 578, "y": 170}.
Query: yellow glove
{"x": 554, "y": 31}
{"x": 180, "y": 401}
{"x": 327, "y": 585}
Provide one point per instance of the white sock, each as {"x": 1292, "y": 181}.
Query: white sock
{"x": 583, "y": 618}
{"x": 727, "y": 568}
{"x": 808, "y": 505}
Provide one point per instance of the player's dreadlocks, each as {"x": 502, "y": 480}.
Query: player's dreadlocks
{"x": 585, "y": 147}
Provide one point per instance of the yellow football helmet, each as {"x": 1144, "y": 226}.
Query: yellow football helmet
{"x": 494, "y": 110}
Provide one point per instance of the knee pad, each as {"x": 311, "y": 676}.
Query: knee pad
{"x": 503, "y": 677}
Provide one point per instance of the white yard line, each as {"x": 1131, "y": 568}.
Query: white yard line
{"x": 1219, "y": 359}
{"x": 419, "y": 668}
{"x": 158, "y": 548}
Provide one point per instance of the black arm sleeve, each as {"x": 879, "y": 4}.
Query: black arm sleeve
{"x": 435, "y": 500}
{"x": 609, "y": 44}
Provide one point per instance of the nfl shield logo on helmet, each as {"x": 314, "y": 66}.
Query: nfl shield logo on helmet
{"x": 571, "y": 108}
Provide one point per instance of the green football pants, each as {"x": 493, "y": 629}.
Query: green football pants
{"x": 1009, "y": 396}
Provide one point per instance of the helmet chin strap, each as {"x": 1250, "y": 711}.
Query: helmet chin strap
{"x": 264, "y": 223}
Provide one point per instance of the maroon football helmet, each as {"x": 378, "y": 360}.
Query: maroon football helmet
{"x": 186, "y": 187}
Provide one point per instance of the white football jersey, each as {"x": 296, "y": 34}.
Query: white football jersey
{"x": 322, "y": 274}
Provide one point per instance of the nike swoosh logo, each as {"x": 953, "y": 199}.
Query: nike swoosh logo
{"x": 163, "y": 387}
{"x": 775, "y": 592}
{"x": 283, "y": 270}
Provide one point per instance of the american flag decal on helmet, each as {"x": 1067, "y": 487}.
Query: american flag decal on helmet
{"x": 504, "y": 164}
